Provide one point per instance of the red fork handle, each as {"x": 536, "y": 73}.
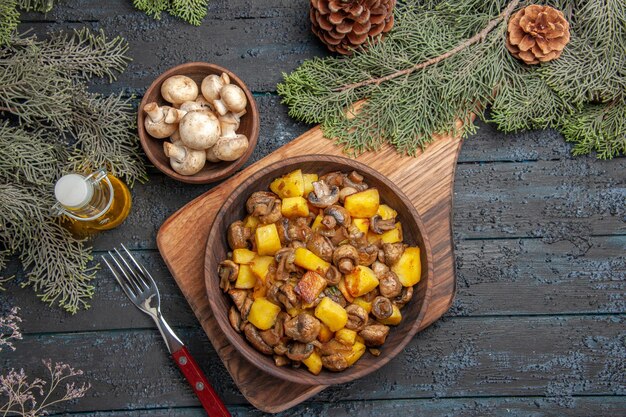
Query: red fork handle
{"x": 203, "y": 389}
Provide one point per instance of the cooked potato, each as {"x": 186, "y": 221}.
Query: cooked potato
{"x": 260, "y": 266}
{"x": 251, "y": 222}
{"x": 309, "y": 179}
{"x": 263, "y": 313}
{"x": 295, "y": 207}
{"x": 386, "y": 212}
{"x": 331, "y": 314}
{"x": 313, "y": 363}
{"x": 363, "y": 204}
{"x": 290, "y": 185}
{"x": 243, "y": 256}
{"x": 259, "y": 290}
{"x": 390, "y": 236}
{"x": 245, "y": 278}
{"x": 267, "y": 240}
{"x": 317, "y": 223}
{"x": 325, "y": 334}
{"x": 394, "y": 319}
{"x": 409, "y": 267}
{"x": 367, "y": 305}
{"x": 346, "y": 336}
{"x": 358, "y": 349}
{"x": 362, "y": 224}
{"x": 310, "y": 261}
{"x": 310, "y": 286}
{"x": 361, "y": 281}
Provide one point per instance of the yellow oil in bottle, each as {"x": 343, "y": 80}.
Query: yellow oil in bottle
{"x": 93, "y": 203}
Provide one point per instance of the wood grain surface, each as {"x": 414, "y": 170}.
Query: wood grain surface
{"x": 536, "y": 328}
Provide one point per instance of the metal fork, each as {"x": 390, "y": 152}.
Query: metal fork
{"x": 141, "y": 289}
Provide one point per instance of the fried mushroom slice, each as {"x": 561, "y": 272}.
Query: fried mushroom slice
{"x": 227, "y": 271}
{"x": 346, "y": 258}
{"x": 302, "y": 328}
{"x": 382, "y": 307}
{"x": 357, "y": 317}
{"x": 354, "y": 180}
{"x": 380, "y": 226}
{"x": 238, "y": 235}
{"x": 238, "y": 297}
{"x": 336, "y": 362}
{"x": 374, "y": 334}
{"x": 285, "y": 259}
{"x": 297, "y": 351}
{"x": 323, "y": 195}
{"x": 280, "y": 360}
{"x": 253, "y": 336}
{"x": 333, "y": 276}
{"x": 379, "y": 269}
{"x": 332, "y": 347}
{"x": 287, "y": 296}
{"x": 339, "y": 214}
{"x": 321, "y": 246}
{"x": 346, "y": 191}
{"x": 405, "y": 296}
{"x": 389, "y": 285}
{"x": 299, "y": 229}
{"x": 392, "y": 252}
{"x": 275, "y": 213}
{"x": 368, "y": 255}
{"x": 234, "y": 318}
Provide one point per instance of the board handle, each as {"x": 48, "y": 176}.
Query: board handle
{"x": 209, "y": 399}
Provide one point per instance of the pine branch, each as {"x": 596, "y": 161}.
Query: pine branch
{"x": 479, "y": 37}
{"x": 9, "y": 19}
{"x": 152, "y": 8}
{"x": 42, "y": 6}
{"x": 192, "y": 11}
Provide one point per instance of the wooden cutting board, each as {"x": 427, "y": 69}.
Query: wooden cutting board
{"x": 427, "y": 180}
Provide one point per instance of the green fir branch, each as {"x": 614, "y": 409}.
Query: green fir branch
{"x": 192, "y": 11}
{"x": 152, "y": 8}
{"x": 42, "y": 6}
{"x": 9, "y": 19}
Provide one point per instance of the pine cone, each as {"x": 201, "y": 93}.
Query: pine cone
{"x": 343, "y": 25}
{"x": 537, "y": 34}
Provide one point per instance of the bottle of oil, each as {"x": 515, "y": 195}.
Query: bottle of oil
{"x": 98, "y": 201}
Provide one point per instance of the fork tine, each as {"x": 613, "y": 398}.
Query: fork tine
{"x": 141, "y": 284}
{"x": 130, "y": 282}
{"x": 145, "y": 275}
{"x": 123, "y": 283}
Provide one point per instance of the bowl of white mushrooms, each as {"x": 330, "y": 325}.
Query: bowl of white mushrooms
{"x": 198, "y": 123}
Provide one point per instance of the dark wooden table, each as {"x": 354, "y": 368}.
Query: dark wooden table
{"x": 537, "y": 327}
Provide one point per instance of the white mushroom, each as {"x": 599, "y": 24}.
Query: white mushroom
{"x": 230, "y": 145}
{"x": 174, "y": 116}
{"x": 155, "y": 121}
{"x": 184, "y": 160}
{"x": 212, "y": 84}
{"x": 232, "y": 98}
{"x": 199, "y": 129}
{"x": 179, "y": 88}
{"x": 175, "y": 137}
{"x": 210, "y": 155}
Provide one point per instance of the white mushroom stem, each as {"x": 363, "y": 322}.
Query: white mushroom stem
{"x": 232, "y": 98}
{"x": 174, "y": 115}
{"x": 183, "y": 160}
{"x": 156, "y": 121}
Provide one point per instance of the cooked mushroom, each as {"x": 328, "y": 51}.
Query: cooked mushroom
{"x": 335, "y": 362}
{"x": 321, "y": 246}
{"x": 238, "y": 235}
{"x": 333, "y": 276}
{"x": 281, "y": 348}
{"x": 371, "y": 295}
{"x": 368, "y": 255}
{"x": 334, "y": 294}
{"x": 280, "y": 360}
{"x": 299, "y": 229}
{"x": 285, "y": 258}
{"x": 303, "y": 328}
{"x": 299, "y": 351}
{"x": 382, "y": 307}
{"x": 357, "y": 317}
{"x": 380, "y": 226}
{"x": 374, "y": 334}
{"x": 339, "y": 236}
{"x": 332, "y": 347}
{"x": 282, "y": 226}
{"x": 356, "y": 237}
{"x": 228, "y": 271}
{"x": 329, "y": 222}
{"x": 389, "y": 285}
{"x": 355, "y": 180}
{"x": 339, "y": 213}
{"x": 404, "y": 297}
{"x": 322, "y": 195}
{"x": 346, "y": 258}
{"x": 346, "y": 191}
{"x": 271, "y": 337}
{"x": 253, "y": 336}
{"x": 287, "y": 296}
{"x": 245, "y": 310}
{"x": 379, "y": 269}
{"x": 392, "y": 252}
{"x": 239, "y": 297}
{"x": 333, "y": 178}
{"x": 234, "y": 318}
{"x": 265, "y": 205}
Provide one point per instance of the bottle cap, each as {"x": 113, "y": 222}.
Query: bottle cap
{"x": 73, "y": 191}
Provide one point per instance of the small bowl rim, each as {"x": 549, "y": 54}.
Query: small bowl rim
{"x": 229, "y": 168}
{"x": 285, "y": 373}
